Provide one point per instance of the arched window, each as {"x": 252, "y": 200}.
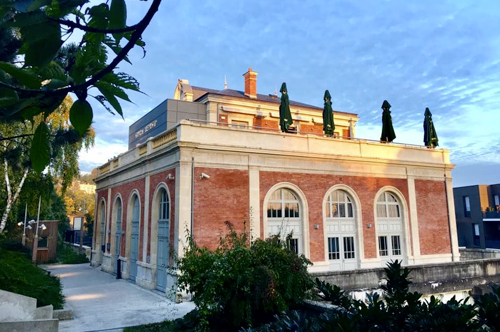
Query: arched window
{"x": 163, "y": 239}
{"x": 390, "y": 227}
{"x": 284, "y": 217}
{"x": 341, "y": 231}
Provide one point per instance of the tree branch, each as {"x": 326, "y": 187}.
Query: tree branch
{"x": 136, "y": 35}
{"x": 86, "y": 28}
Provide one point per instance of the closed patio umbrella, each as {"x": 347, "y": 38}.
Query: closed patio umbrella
{"x": 328, "y": 124}
{"x": 285, "y": 115}
{"x": 430, "y": 137}
{"x": 388, "y": 134}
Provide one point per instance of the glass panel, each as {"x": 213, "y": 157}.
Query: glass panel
{"x": 287, "y": 210}
{"x": 294, "y": 245}
{"x": 467, "y": 203}
{"x": 381, "y": 198}
{"x": 396, "y": 245}
{"x": 335, "y": 210}
{"x": 342, "y": 210}
{"x": 381, "y": 212}
{"x": 333, "y": 248}
{"x": 349, "y": 210}
{"x": 349, "y": 247}
{"x": 276, "y": 196}
{"x": 382, "y": 246}
{"x": 393, "y": 211}
{"x": 341, "y": 196}
{"x": 328, "y": 212}
{"x": 288, "y": 196}
{"x": 391, "y": 198}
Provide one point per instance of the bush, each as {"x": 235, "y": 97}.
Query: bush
{"x": 19, "y": 275}
{"x": 242, "y": 283}
{"x": 67, "y": 255}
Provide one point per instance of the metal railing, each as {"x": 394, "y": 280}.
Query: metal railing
{"x": 491, "y": 215}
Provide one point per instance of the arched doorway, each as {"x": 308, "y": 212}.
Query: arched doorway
{"x": 163, "y": 239}
{"x": 341, "y": 231}
{"x": 102, "y": 231}
{"x": 284, "y": 217}
{"x": 390, "y": 228}
{"x": 118, "y": 234}
{"x": 134, "y": 238}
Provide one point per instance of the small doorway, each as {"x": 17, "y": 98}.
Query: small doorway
{"x": 163, "y": 241}
{"x": 134, "y": 239}
{"x": 118, "y": 235}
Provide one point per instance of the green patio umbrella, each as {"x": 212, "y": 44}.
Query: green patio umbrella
{"x": 285, "y": 115}
{"x": 328, "y": 125}
{"x": 430, "y": 136}
{"x": 388, "y": 134}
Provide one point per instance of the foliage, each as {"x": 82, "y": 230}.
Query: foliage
{"x": 67, "y": 255}
{"x": 39, "y": 67}
{"x": 19, "y": 275}
{"x": 243, "y": 283}
{"x": 488, "y": 308}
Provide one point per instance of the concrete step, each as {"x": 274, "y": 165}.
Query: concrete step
{"x": 16, "y": 307}
{"x": 44, "y": 312}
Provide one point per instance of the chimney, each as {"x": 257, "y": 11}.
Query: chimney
{"x": 250, "y": 83}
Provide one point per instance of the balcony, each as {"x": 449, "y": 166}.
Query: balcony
{"x": 491, "y": 215}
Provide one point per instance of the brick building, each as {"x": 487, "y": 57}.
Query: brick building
{"x": 210, "y": 156}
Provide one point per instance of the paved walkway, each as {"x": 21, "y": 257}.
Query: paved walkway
{"x": 101, "y": 302}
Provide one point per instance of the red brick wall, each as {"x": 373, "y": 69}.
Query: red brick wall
{"x": 432, "y": 211}
{"x": 154, "y": 180}
{"x": 265, "y": 123}
{"x": 311, "y": 129}
{"x": 223, "y": 197}
{"x": 124, "y": 190}
{"x": 314, "y": 187}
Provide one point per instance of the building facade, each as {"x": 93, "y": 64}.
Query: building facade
{"x": 207, "y": 157}
{"x": 478, "y": 216}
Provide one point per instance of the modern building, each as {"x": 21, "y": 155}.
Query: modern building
{"x": 210, "y": 156}
{"x": 478, "y": 216}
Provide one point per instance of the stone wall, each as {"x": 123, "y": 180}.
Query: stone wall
{"x": 467, "y": 254}
{"x": 427, "y": 279}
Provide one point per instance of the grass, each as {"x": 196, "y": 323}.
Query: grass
{"x": 67, "y": 255}
{"x": 19, "y": 275}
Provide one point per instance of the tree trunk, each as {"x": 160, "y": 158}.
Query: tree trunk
{"x": 11, "y": 200}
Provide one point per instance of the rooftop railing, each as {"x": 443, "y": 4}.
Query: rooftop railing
{"x": 303, "y": 133}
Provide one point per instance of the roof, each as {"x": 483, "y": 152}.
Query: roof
{"x": 199, "y": 92}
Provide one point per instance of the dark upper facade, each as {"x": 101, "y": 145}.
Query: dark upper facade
{"x": 477, "y": 210}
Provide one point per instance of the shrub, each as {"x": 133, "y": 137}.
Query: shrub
{"x": 66, "y": 255}
{"x": 19, "y": 275}
{"x": 243, "y": 283}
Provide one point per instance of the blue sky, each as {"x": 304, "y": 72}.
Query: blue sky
{"x": 444, "y": 55}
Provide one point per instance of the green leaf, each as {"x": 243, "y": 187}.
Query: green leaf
{"x": 81, "y": 115}
{"x": 30, "y": 112}
{"x": 101, "y": 99}
{"x": 118, "y": 17}
{"x": 117, "y": 91}
{"x": 123, "y": 80}
{"x": 53, "y": 71}
{"x": 44, "y": 41}
{"x": 8, "y": 97}
{"x": 40, "y": 148}
{"x": 22, "y": 75}
{"x": 38, "y": 3}
{"x": 26, "y": 19}
{"x": 110, "y": 97}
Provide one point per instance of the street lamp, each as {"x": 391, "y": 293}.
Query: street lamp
{"x": 21, "y": 223}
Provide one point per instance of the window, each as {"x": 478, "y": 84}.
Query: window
{"x": 339, "y": 205}
{"x": 164, "y": 206}
{"x": 382, "y": 246}
{"x": 239, "y": 124}
{"x": 388, "y": 206}
{"x": 476, "y": 234}
{"x": 333, "y": 248}
{"x": 349, "y": 247}
{"x": 43, "y": 242}
{"x": 283, "y": 204}
{"x": 396, "y": 245}
{"x": 467, "y": 207}
{"x": 293, "y": 244}
{"x": 496, "y": 198}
